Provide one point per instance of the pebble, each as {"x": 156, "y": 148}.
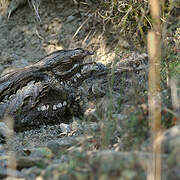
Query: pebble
{"x": 70, "y": 19}
{"x": 65, "y": 128}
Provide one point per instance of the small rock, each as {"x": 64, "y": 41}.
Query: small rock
{"x": 170, "y": 139}
{"x": 51, "y": 170}
{"x": 32, "y": 172}
{"x": 61, "y": 144}
{"x": 65, "y": 128}
{"x": 4, "y": 131}
{"x": 63, "y": 158}
{"x": 70, "y": 19}
{"x": 27, "y": 162}
{"x": 42, "y": 152}
{"x": 7, "y": 172}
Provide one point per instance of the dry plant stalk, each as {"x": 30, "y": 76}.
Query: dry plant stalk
{"x": 175, "y": 99}
{"x": 154, "y": 99}
{"x": 154, "y": 102}
{"x": 3, "y": 6}
{"x": 11, "y": 160}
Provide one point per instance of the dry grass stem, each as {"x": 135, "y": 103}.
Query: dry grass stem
{"x": 154, "y": 99}
{"x": 11, "y": 160}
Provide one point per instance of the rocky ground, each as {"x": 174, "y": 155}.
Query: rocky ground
{"x": 91, "y": 147}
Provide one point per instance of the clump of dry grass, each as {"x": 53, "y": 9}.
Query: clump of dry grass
{"x": 130, "y": 19}
{"x": 35, "y": 5}
{"x": 7, "y": 7}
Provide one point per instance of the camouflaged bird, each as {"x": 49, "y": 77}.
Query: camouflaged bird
{"x": 45, "y": 92}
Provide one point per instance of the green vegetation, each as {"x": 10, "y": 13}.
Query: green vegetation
{"x": 132, "y": 20}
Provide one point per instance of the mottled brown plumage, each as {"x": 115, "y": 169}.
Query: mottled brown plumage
{"x": 45, "y": 91}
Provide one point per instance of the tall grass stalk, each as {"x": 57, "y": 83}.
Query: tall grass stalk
{"x": 154, "y": 99}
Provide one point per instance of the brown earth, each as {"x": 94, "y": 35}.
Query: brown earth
{"x": 62, "y": 25}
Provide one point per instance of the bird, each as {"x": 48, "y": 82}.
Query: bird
{"x": 45, "y": 91}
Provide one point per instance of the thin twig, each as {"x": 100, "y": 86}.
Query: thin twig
{"x": 81, "y": 26}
